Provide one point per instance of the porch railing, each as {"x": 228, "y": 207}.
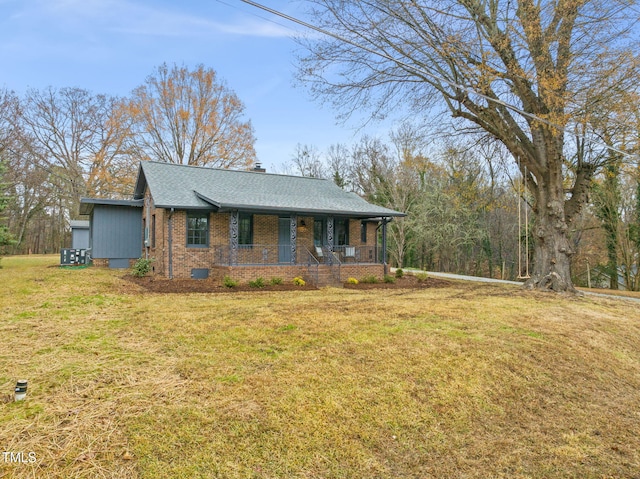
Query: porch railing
{"x": 263, "y": 254}
{"x": 313, "y": 265}
{"x": 253, "y": 254}
{"x": 358, "y": 254}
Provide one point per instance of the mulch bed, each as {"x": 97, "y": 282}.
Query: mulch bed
{"x": 405, "y": 282}
{"x": 161, "y": 285}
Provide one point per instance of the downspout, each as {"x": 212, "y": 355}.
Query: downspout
{"x": 170, "y": 242}
{"x": 147, "y": 227}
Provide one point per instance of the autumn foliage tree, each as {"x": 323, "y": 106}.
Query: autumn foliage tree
{"x": 189, "y": 117}
{"x": 515, "y": 70}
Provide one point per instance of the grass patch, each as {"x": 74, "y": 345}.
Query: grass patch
{"x": 470, "y": 381}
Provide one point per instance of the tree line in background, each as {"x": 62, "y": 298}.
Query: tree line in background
{"x": 59, "y": 145}
{"x": 465, "y": 200}
{"x": 468, "y": 209}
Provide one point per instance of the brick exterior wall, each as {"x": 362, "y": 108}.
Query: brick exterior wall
{"x": 265, "y": 229}
{"x": 248, "y": 273}
{"x": 305, "y": 236}
{"x": 219, "y": 228}
{"x": 156, "y": 248}
{"x": 359, "y": 271}
{"x": 104, "y": 262}
{"x": 265, "y": 232}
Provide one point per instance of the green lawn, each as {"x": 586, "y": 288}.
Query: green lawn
{"x": 471, "y": 381}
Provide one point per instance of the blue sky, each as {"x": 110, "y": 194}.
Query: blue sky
{"x": 111, "y": 46}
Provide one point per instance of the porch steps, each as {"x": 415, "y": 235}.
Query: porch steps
{"x": 327, "y": 276}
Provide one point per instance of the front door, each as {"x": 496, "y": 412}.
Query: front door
{"x": 284, "y": 240}
{"x": 320, "y": 232}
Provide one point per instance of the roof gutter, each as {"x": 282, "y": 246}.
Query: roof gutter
{"x": 280, "y": 210}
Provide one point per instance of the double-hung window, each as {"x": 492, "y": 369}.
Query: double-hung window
{"x": 197, "y": 229}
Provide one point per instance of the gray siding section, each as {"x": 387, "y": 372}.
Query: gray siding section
{"x": 79, "y": 238}
{"x": 119, "y": 263}
{"x": 116, "y": 232}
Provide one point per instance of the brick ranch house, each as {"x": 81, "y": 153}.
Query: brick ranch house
{"x": 202, "y": 223}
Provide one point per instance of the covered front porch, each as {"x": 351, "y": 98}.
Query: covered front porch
{"x": 321, "y": 264}
{"x": 326, "y": 239}
{"x": 323, "y": 249}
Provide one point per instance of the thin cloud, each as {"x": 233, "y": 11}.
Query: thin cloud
{"x": 126, "y": 17}
{"x": 164, "y": 23}
{"x": 255, "y": 28}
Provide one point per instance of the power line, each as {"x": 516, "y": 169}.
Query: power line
{"x": 423, "y": 72}
{"x": 270, "y": 20}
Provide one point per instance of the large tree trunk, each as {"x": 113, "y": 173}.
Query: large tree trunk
{"x": 552, "y": 248}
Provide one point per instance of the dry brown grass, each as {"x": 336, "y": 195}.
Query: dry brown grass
{"x": 472, "y": 381}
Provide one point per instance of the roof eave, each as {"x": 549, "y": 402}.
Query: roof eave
{"x": 206, "y": 199}
{"x": 226, "y": 208}
{"x": 87, "y": 204}
{"x": 309, "y": 211}
{"x": 141, "y": 183}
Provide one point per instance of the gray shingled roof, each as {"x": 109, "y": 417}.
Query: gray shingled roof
{"x": 80, "y": 224}
{"x": 87, "y": 204}
{"x": 189, "y": 187}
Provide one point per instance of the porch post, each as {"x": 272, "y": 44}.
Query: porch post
{"x": 294, "y": 237}
{"x": 330, "y": 232}
{"x": 233, "y": 237}
{"x": 384, "y": 245}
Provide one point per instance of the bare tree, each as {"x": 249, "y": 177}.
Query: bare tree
{"x": 338, "y": 163}
{"x": 8, "y": 110}
{"x": 16, "y": 192}
{"x": 191, "y": 118}
{"x": 517, "y": 71}
{"x": 307, "y": 161}
{"x": 78, "y": 137}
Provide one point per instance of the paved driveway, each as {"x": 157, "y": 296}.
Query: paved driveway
{"x": 519, "y": 283}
